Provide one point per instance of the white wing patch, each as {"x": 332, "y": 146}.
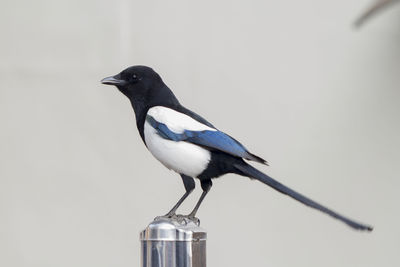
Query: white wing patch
{"x": 182, "y": 157}
{"x": 176, "y": 121}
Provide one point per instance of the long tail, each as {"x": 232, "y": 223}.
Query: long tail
{"x": 252, "y": 172}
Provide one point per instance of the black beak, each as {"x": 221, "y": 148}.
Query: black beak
{"x": 112, "y": 81}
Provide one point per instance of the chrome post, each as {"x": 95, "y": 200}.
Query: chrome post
{"x": 173, "y": 242}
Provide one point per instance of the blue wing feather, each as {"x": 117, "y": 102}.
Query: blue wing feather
{"x": 163, "y": 130}
{"x": 215, "y": 140}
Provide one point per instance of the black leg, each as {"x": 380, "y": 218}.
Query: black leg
{"x": 206, "y": 186}
{"x": 189, "y": 184}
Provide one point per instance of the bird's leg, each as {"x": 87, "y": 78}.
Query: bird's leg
{"x": 171, "y": 213}
{"x": 189, "y": 184}
{"x": 206, "y": 186}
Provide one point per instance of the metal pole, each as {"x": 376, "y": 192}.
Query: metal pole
{"x": 173, "y": 242}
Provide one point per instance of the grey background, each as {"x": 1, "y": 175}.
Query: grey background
{"x": 321, "y": 101}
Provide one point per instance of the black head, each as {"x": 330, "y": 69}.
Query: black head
{"x": 135, "y": 81}
{"x": 144, "y": 88}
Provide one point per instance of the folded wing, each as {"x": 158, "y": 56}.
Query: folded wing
{"x": 210, "y": 139}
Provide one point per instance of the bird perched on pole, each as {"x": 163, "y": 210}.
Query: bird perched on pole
{"x": 185, "y": 142}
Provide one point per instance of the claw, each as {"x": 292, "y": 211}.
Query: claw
{"x": 181, "y": 219}
{"x": 195, "y": 220}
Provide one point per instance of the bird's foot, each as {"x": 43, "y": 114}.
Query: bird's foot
{"x": 181, "y": 219}
{"x": 165, "y": 217}
{"x": 169, "y": 215}
{"x": 186, "y": 219}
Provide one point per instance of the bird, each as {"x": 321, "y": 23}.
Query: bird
{"x": 188, "y": 144}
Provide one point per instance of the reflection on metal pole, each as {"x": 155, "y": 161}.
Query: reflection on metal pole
{"x": 173, "y": 242}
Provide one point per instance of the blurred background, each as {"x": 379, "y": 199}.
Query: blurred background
{"x": 322, "y": 100}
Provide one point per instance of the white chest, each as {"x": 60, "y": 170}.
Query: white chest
{"x": 182, "y": 157}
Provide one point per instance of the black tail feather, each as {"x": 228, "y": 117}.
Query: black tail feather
{"x": 252, "y": 172}
{"x": 256, "y": 158}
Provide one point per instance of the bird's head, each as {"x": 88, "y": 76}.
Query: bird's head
{"x": 135, "y": 81}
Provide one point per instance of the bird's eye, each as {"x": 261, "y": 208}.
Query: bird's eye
{"x": 135, "y": 77}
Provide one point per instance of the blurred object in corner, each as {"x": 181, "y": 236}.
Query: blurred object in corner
{"x": 374, "y": 9}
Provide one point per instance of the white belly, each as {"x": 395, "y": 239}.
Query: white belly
{"x": 181, "y": 157}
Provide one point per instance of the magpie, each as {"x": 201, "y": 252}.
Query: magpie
{"x": 186, "y": 143}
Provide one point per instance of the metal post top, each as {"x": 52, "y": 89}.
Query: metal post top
{"x": 177, "y": 228}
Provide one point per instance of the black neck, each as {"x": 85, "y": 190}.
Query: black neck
{"x": 141, "y": 104}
